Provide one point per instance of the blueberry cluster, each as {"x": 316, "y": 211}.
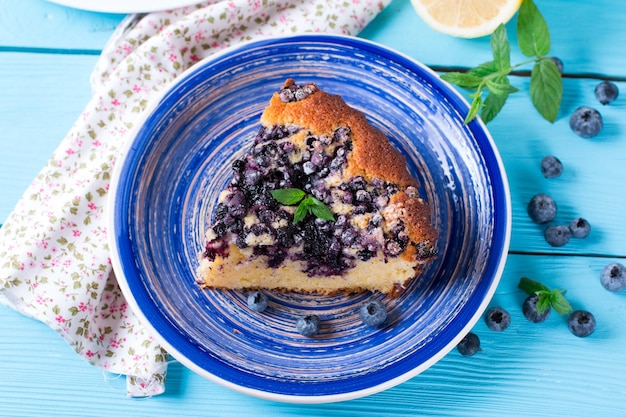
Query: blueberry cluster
{"x": 542, "y": 209}
{"x": 586, "y": 121}
{"x": 258, "y": 221}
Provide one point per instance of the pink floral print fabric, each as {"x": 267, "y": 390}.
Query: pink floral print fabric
{"x": 54, "y": 255}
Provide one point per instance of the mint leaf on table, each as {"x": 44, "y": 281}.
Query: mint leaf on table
{"x": 491, "y": 77}
{"x": 463, "y": 79}
{"x": 547, "y": 297}
{"x": 559, "y": 303}
{"x": 530, "y": 286}
{"x": 501, "y": 49}
{"x": 533, "y": 36}
{"x": 306, "y": 204}
{"x": 546, "y": 89}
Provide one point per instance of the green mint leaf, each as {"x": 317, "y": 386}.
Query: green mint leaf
{"x": 475, "y": 107}
{"x": 462, "y": 79}
{"x": 301, "y": 212}
{"x": 491, "y": 107}
{"x": 530, "y": 286}
{"x": 533, "y": 35}
{"x": 288, "y": 196}
{"x": 546, "y": 89}
{"x": 501, "y": 49}
{"x": 559, "y": 303}
{"x": 319, "y": 209}
{"x": 544, "y": 301}
{"x": 484, "y": 69}
{"x": 500, "y": 86}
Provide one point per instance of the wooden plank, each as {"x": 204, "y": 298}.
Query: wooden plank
{"x": 592, "y": 169}
{"x": 41, "y": 24}
{"x": 541, "y": 366}
{"x": 34, "y": 84}
{"x": 584, "y": 35}
{"x": 38, "y": 24}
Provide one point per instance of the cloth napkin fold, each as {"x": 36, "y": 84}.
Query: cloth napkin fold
{"x": 54, "y": 255}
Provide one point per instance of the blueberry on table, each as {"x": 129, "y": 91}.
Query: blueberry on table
{"x": 373, "y": 313}
{"x": 613, "y": 277}
{"x": 308, "y": 325}
{"x": 606, "y": 92}
{"x": 580, "y": 228}
{"x": 469, "y": 345}
{"x": 257, "y": 301}
{"x": 581, "y": 323}
{"x": 542, "y": 208}
{"x": 557, "y": 235}
{"x": 585, "y": 122}
{"x": 558, "y": 63}
{"x": 551, "y": 167}
{"x": 529, "y": 308}
{"x": 497, "y": 319}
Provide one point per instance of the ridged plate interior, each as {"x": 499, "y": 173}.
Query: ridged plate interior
{"x": 167, "y": 184}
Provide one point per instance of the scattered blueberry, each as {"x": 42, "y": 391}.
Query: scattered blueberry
{"x": 529, "y": 308}
{"x": 613, "y": 277}
{"x": 497, "y": 319}
{"x": 581, "y": 323}
{"x": 308, "y": 325}
{"x": 580, "y": 228}
{"x": 373, "y": 313}
{"x": 551, "y": 167}
{"x": 469, "y": 345}
{"x": 586, "y": 122}
{"x": 558, "y": 63}
{"x": 542, "y": 208}
{"x": 557, "y": 235}
{"x": 257, "y": 301}
{"x": 606, "y": 92}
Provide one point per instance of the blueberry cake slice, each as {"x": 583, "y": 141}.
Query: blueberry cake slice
{"x": 379, "y": 234}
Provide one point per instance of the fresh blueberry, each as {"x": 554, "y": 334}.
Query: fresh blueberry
{"x": 257, "y": 301}
{"x": 613, "y": 277}
{"x": 580, "y": 228}
{"x": 497, "y": 319}
{"x": 529, "y": 308}
{"x": 606, "y": 92}
{"x": 581, "y": 323}
{"x": 558, "y": 63}
{"x": 469, "y": 345}
{"x": 542, "y": 208}
{"x": 551, "y": 167}
{"x": 586, "y": 122}
{"x": 308, "y": 325}
{"x": 557, "y": 235}
{"x": 373, "y": 313}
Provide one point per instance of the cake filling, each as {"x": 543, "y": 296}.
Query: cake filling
{"x": 287, "y": 156}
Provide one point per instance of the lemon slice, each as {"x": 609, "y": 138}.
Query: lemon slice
{"x": 466, "y": 18}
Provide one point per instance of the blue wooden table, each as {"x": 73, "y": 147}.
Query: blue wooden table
{"x": 46, "y": 55}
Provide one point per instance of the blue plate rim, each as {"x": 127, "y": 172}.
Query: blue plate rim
{"x": 502, "y": 219}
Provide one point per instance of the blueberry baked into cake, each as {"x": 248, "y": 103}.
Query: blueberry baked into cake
{"x": 320, "y": 203}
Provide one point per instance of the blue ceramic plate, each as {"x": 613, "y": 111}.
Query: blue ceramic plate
{"x": 169, "y": 177}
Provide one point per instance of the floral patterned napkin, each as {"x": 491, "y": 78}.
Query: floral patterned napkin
{"x": 54, "y": 257}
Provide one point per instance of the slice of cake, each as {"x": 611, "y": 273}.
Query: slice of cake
{"x": 320, "y": 203}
